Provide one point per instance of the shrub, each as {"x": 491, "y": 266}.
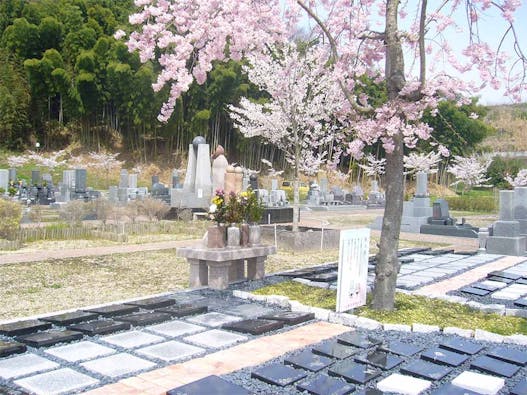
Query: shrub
{"x": 104, "y": 209}
{"x": 472, "y": 203}
{"x": 74, "y": 211}
{"x": 501, "y": 167}
{"x": 10, "y": 216}
{"x": 153, "y": 208}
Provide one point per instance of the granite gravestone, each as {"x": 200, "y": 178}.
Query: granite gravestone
{"x": 505, "y": 238}
{"x": 12, "y": 175}
{"x": 80, "y": 180}
{"x": 441, "y": 223}
{"x": 4, "y": 180}
{"x": 35, "y": 177}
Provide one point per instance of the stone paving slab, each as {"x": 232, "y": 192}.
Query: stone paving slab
{"x": 57, "y": 382}
{"x": 215, "y": 338}
{"x": 214, "y": 319}
{"x": 118, "y": 365}
{"x": 23, "y": 365}
{"x": 170, "y": 351}
{"x": 132, "y": 339}
{"x": 83, "y": 350}
{"x": 175, "y": 328}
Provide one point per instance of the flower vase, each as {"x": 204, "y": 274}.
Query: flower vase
{"x": 255, "y": 234}
{"x": 244, "y": 234}
{"x": 233, "y": 236}
{"x": 216, "y": 236}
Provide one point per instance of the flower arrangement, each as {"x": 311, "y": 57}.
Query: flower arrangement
{"x": 253, "y": 208}
{"x": 218, "y": 208}
{"x": 235, "y": 208}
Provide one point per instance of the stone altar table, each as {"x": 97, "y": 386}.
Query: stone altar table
{"x": 218, "y": 267}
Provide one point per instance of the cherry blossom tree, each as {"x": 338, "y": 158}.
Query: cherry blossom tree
{"x": 520, "y": 180}
{"x": 420, "y": 162}
{"x": 470, "y": 171}
{"x": 299, "y": 116}
{"x": 363, "y": 39}
{"x": 374, "y": 167}
{"x": 105, "y": 161}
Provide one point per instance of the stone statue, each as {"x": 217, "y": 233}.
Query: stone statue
{"x": 219, "y": 168}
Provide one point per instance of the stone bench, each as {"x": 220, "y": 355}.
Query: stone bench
{"x": 218, "y": 267}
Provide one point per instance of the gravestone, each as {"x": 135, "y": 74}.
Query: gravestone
{"x": 113, "y": 194}
{"x": 274, "y": 184}
{"x": 123, "y": 179}
{"x": 357, "y": 373}
{"x": 505, "y": 238}
{"x": 175, "y": 179}
{"x": 353, "y": 269}
{"x": 440, "y": 223}
{"x": 520, "y": 208}
{"x": 35, "y": 177}
{"x": 253, "y": 182}
{"x": 132, "y": 180}
{"x": 12, "y": 175}
{"x": 308, "y": 361}
{"x": 278, "y": 374}
{"x": 4, "y": 179}
{"x": 155, "y": 180}
{"x": 375, "y": 197}
{"x": 357, "y": 195}
{"x": 68, "y": 178}
{"x": 80, "y": 180}
{"x": 379, "y": 359}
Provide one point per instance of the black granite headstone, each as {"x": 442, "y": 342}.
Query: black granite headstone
{"x": 289, "y": 317}
{"x": 401, "y": 348}
{"x": 451, "y": 389}
{"x": 444, "y": 357}
{"x": 153, "y": 303}
{"x": 35, "y": 177}
{"x": 503, "y": 274}
{"x": 140, "y": 319}
{"x": 521, "y": 302}
{"x": 23, "y": 327}
{"x": 475, "y": 291}
{"x": 494, "y": 366}
{"x": 71, "y": 318}
{"x": 9, "y": 348}
{"x": 333, "y": 349}
{"x": 278, "y": 374}
{"x": 209, "y": 385}
{"x": 462, "y": 346}
{"x": 308, "y": 361}
{"x": 114, "y": 309}
{"x": 354, "y": 372}
{"x": 500, "y": 279}
{"x": 49, "y": 338}
{"x": 254, "y": 326}
{"x": 80, "y": 180}
{"x": 520, "y": 388}
{"x": 510, "y": 355}
{"x": 379, "y": 359}
{"x": 183, "y": 310}
{"x": 325, "y": 385}
{"x": 486, "y": 287}
{"x": 426, "y": 370}
{"x": 100, "y": 327}
{"x": 358, "y": 340}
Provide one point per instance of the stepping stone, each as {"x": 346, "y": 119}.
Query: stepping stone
{"x": 308, "y": 361}
{"x": 118, "y": 365}
{"x": 462, "y": 346}
{"x": 500, "y": 279}
{"x": 325, "y": 385}
{"x": 175, "y": 328}
{"x": 214, "y": 319}
{"x": 10, "y": 348}
{"x": 209, "y": 385}
{"x": 141, "y": 319}
{"x": 502, "y": 274}
{"x": 333, "y": 349}
{"x": 509, "y": 355}
{"x": 520, "y": 388}
{"x": 486, "y": 287}
{"x": 401, "y": 384}
{"x": 71, "y": 318}
{"x": 49, "y": 338}
{"x": 521, "y": 302}
{"x": 479, "y": 383}
{"x": 278, "y": 374}
{"x": 401, "y": 348}
{"x": 289, "y": 317}
{"x": 215, "y": 338}
{"x": 355, "y": 372}
{"x": 132, "y": 339}
{"x": 323, "y": 277}
{"x": 474, "y": 291}
{"x": 100, "y": 327}
{"x": 250, "y": 310}
{"x": 183, "y": 310}
{"x": 57, "y": 382}
{"x": 23, "y": 327}
{"x": 254, "y": 327}
{"x": 114, "y": 309}
{"x": 379, "y": 359}
{"x": 170, "y": 351}
{"x": 80, "y": 351}
{"x": 494, "y": 366}
{"x": 358, "y": 340}
{"x": 451, "y": 389}
{"x": 426, "y": 370}
{"x": 23, "y": 365}
{"x": 153, "y": 303}
{"x": 444, "y": 357}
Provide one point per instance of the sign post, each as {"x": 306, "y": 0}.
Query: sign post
{"x": 353, "y": 268}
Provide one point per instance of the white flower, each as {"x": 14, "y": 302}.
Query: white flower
{"x": 212, "y": 208}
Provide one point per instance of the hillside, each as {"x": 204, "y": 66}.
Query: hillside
{"x": 510, "y": 122}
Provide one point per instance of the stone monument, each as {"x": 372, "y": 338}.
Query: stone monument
{"x": 4, "y": 179}
{"x": 441, "y": 223}
{"x": 504, "y": 236}
{"x": 219, "y": 168}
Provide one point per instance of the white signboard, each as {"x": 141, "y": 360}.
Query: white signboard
{"x": 353, "y": 268}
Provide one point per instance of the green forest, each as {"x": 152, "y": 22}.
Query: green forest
{"x": 64, "y": 79}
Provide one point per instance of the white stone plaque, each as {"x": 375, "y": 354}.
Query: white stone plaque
{"x": 353, "y": 268}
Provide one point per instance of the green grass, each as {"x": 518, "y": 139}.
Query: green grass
{"x": 409, "y": 309}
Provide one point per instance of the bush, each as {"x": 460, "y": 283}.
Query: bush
{"x": 10, "y": 216}
{"x": 153, "y": 208}
{"x": 486, "y": 204}
{"x": 500, "y": 167}
{"x": 74, "y": 212}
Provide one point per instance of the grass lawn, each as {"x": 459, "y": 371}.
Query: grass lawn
{"x": 409, "y": 309}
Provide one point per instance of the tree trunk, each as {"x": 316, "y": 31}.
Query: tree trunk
{"x": 387, "y": 266}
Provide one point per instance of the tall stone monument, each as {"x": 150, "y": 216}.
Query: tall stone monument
{"x": 219, "y": 168}
{"x": 505, "y": 237}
